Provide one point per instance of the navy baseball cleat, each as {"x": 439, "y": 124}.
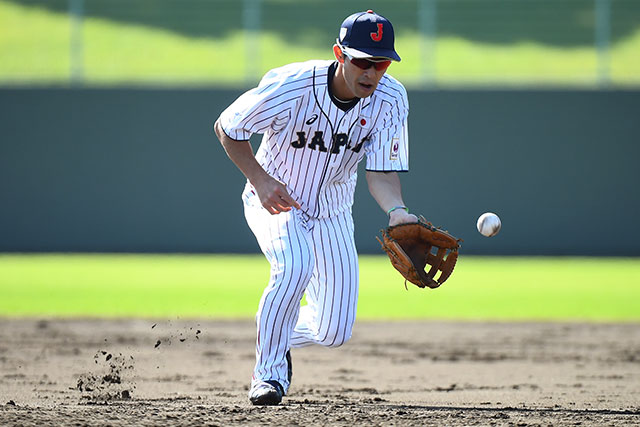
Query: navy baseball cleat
{"x": 289, "y": 366}
{"x": 266, "y": 393}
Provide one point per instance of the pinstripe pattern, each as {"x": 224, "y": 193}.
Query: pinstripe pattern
{"x": 332, "y": 294}
{"x": 284, "y": 105}
{"x": 316, "y": 255}
{"x": 313, "y": 147}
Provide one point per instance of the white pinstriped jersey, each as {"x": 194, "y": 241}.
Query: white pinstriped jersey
{"x": 311, "y": 145}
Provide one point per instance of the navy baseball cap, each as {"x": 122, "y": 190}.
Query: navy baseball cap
{"x": 367, "y": 35}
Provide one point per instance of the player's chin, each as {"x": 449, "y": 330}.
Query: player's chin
{"x": 365, "y": 89}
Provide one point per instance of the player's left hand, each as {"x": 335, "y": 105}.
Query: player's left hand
{"x": 400, "y": 216}
{"x": 410, "y": 248}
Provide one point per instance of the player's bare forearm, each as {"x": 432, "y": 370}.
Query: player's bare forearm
{"x": 386, "y": 189}
{"x": 272, "y": 193}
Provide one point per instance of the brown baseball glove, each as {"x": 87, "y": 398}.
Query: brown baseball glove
{"x": 411, "y": 247}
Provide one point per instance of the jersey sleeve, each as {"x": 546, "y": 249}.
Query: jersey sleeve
{"x": 257, "y": 110}
{"x": 388, "y": 148}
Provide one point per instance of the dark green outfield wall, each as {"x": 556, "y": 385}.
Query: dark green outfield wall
{"x": 141, "y": 171}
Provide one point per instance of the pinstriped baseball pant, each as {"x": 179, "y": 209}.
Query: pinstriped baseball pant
{"x": 308, "y": 256}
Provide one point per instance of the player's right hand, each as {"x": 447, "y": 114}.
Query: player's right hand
{"x": 274, "y": 196}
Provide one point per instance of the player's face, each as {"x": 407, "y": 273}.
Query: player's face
{"x": 362, "y": 76}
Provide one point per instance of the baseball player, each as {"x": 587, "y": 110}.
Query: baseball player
{"x": 318, "y": 120}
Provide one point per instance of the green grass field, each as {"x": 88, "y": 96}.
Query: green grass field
{"x": 35, "y": 48}
{"x": 229, "y": 286}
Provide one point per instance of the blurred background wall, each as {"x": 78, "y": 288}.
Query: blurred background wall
{"x": 525, "y": 108}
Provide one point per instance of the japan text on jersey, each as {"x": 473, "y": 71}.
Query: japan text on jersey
{"x": 311, "y": 144}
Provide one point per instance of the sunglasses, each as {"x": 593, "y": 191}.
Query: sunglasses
{"x": 365, "y": 64}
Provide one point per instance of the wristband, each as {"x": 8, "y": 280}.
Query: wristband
{"x": 396, "y": 208}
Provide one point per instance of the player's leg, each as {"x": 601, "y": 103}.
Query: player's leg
{"x": 285, "y": 241}
{"x": 332, "y": 294}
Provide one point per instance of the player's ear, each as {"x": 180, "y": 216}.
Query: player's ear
{"x": 338, "y": 53}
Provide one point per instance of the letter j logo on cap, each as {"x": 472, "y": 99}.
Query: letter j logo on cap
{"x": 376, "y": 37}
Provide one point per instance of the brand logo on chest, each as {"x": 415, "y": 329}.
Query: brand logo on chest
{"x": 312, "y": 119}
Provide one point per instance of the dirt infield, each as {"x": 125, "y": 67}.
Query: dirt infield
{"x": 196, "y": 372}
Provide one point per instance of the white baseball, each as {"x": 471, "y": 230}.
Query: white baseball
{"x": 489, "y": 224}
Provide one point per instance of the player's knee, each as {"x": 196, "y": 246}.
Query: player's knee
{"x": 337, "y": 337}
{"x": 339, "y": 341}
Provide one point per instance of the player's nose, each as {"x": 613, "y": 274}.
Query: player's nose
{"x": 370, "y": 72}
